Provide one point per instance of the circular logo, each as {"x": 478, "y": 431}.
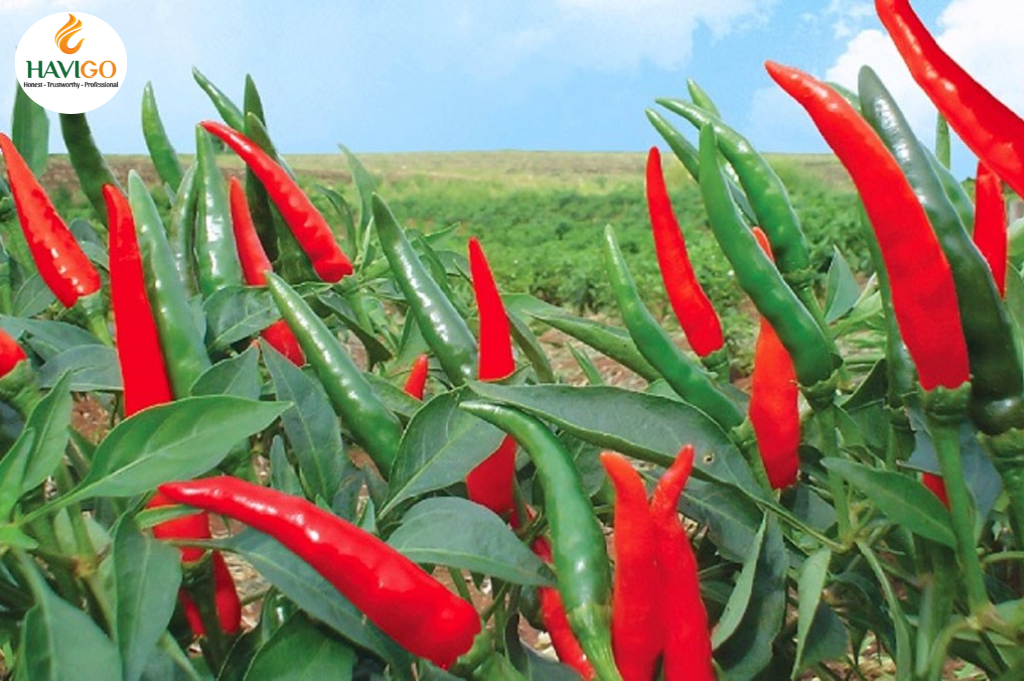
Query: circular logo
{"x": 70, "y": 62}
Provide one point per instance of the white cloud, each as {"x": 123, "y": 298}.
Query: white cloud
{"x": 984, "y": 36}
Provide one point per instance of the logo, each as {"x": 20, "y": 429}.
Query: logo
{"x": 70, "y": 63}
{"x": 66, "y": 33}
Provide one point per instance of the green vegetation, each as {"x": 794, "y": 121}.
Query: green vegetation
{"x": 540, "y": 215}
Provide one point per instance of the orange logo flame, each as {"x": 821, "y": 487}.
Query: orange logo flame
{"x": 66, "y": 33}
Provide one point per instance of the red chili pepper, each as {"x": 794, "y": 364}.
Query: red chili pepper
{"x": 59, "y": 258}
{"x": 989, "y": 128}
{"x": 687, "y": 642}
{"x": 197, "y": 526}
{"x": 397, "y": 595}
{"x": 637, "y": 616}
{"x": 693, "y": 309}
{"x": 143, "y": 371}
{"x": 990, "y": 226}
{"x": 492, "y": 482}
{"x": 255, "y": 265}
{"x": 937, "y": 485}
{"x": 553, "y": 612}
{"x": 774, "y": 401}
{"x": 10, "y": 353}
{"x": 417, "y": 381}
{"x": 305, "y": 221}
{"x": 923, "y": 293}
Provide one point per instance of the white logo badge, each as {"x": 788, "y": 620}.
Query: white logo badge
{"x": 70, "y": 62}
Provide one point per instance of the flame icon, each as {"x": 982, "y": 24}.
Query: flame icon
{"x": 66, "y": 33}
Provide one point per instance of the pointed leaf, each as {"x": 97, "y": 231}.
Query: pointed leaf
{"x": 50, "y": 420}
{"x": 299, "y": 651}
{"x": 30, "y": 131}
{"x": 841, "y": 292}
{"x": 237, "y": 376}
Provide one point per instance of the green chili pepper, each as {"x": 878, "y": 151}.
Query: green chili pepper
{"x": 955, "y": 191}
{"x": 227, "y": 109}
{"x": 255, "y": 194}
{"x": 371, "y": 423}
{"x": 165, "y": 159}
{"x": 997, "y": 383}
{"x": 445, "y": 331}
{"x": 943, "y": 151}
{"x": 216, "y": 255}
{"x": 90, "y": 166}
{"x": 701, "y": 98}
{"x": 174, "y": 319}
{"x": 684, "y": 375}
{"x": 689, "y": 157}
{"x": 580, "y": 554}
{"x": 181, "y": 228}
{"x": 767, "y": 194}
{"x": 610, "y": 341}
{"x": 758, "y": 277}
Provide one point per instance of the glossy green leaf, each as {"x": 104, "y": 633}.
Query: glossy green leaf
{"x": 237, "y": 376}
{"x": 732, "y": 519}
{"x": 841, "y": 291}
{"x": 739, "y": 599}
{"x": 310, "y": 425}
{"x": 441, "y": 445}
{"x": 461, "y": 534}
{"x": 148, "y": 576}
{"x": 176, "y": 441}
{"x": 903, "y": 499}
{"x": 59, "y": 641}
{"x": 302, "y": 651}
{"x": 282, "y": 475}
{"x": 237, "y": 312}
{"x": 30, "y": 131}
{"x": 811, "y": 579}
{"x": 92, "y": 367}
{"x": 749, "y": 649}
{"x": 12, "y": 471}
{"x": 50, "y": 420}
{"x": 302, "y": 584}
{"x": 644, "y": 426}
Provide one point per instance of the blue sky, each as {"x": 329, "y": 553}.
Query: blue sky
{"x": 487, "y": 74}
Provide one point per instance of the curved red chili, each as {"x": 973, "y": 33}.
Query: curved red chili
{"x": 60, "y": 260}
{"x": 937, "y": 486}
{"x": 990, "y": 225}
{"x": 774, "y": 401}
{"x": 491, "y": 483}
{"x": 143, "y": 371}
{"x": 687, "y": 642}
{"x": 255, "y": 265}
{"x": 10, "y": 353}
{"x": 417, "y": 381}
{"x": 989, "y": 128}
{"x": 637, "y": 615}
{"x": 303, "y": 219}
{"x": 693, "y": 309}
{"x": 923, "y": 293}
{"x": 397, "y": 595}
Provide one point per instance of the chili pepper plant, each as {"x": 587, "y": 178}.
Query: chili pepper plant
{"x": 335, "y": 446}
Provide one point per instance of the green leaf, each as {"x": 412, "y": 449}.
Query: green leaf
{"x": 299, "y": 651}
{"x": 59, "y": 641}
{"x": 282, "y": 476}
{"x": 393, "y": 397}
{"x": 237, "y": 376}
{"x": 33, "y": 295}
{"x": 739, "y": 599}
{"x": 47, "y": 337}
{"x": 148, "y": 576}
{"x": 12, "y": 472}
{"x": 530, "y": 346}
{"x": 176, "y": 441}
{"x": 732, "y": 519}
{"x": 827, "y": 637}
{"x": 302, "y": 584}
{"x": 30, "y": 131}
{"x": 376, "y": 352}
{"x": 460, "y": 534}
{"x": 749, "y": 649}
{"x": 92, "y": 367}
{"x": 644, "y": 426}
{"x": 50, "y": 419}
{"x": 810, "y": 583}
{"x": 841, "y": 291}
{"x": 366, "y": 185}
{"x": 441, "y": 445}
{"x": 310, "y": 425}
{"x": 608, "y": 340}
{"x": 904, "y": 500}
{"x": 236, "y": 312}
